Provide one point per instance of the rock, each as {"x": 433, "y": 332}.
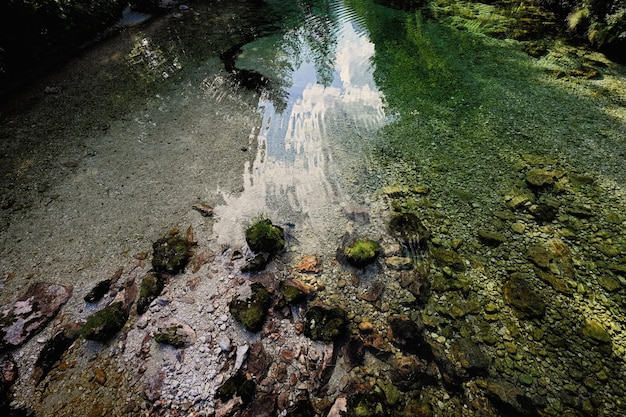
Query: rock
{"x": 175, "y": 333}
{"x": 510, "y": 400}
{"x": 30, "y": 313}
{"x": 240, "y": 356}
{"x": 224, "y": 343}
{"x": 354, "y": 352}
{"x": 151, "y": 287}
{"x": 325, "y": 324}
{"x": 546, "y": 209}
{"x": 98, "y": 291}
{"x": 263, "y": 406}
{"x": 520, "y": 201}
{"x": 540, "y": 256}
{"x": 609, "y": 284}
{"x": 491, "y": 238}
{"x": 445, "y": 257}
{"x": 338, "y": 409}
{"x": 309, "y": 264}
{"x": 540, "y": 178}
{"x": 361, "y": 252}
{"x": 374, "y": 292}
{"x": 410, "y": 232}
{"x": 256, "y": 264}
{"x": 293, "y": 295}
{"x": 238, "y": 385}
{"x": 104, "y": 324}
{"x": 154, "y": 386}
{"x": 263, "y": 236}
{"x": 518, "y": 293}
{"x": 594, "y": 331}
{"x": 408, "y": 372}
{"x": 302, "y": 408}
{"x": 470, "y": 357}
{"x": 52, "y": 351}
{"x": 204, "y": 209}
{"x": 368, "y": 404}
{"x": 357, "y": 213}
{"x": 399, "y": 263}
{"x": 252, "y": 311}
{"x": 557, "y": 283}
{"x": 258, "y": 362}
{"x": 171, "y": 253}
{"x": 408, "y": 335}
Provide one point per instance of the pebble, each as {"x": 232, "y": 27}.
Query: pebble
{"x": 224, "y": 343}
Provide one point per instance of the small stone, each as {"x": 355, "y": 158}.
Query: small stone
{"x": 286, "y": 355}
{"x": 518, "y": 227}
{"x": 609, "y": 284}
{"x": 592, "y": 330}
{"x": 525, "y": 379}
{"x": 399, "y": 263}
{"x": 491, "y": 238}
{"x": 224, "y": 343}
{"x": 242, "y": 351}
{"x": 309, "y": 264}
{"x": 366, "y": 326}
{"x": 540, "y": 177}
{"x": 99, "y": 377}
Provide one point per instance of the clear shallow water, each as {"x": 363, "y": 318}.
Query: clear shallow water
{"x": 359, "y": 96}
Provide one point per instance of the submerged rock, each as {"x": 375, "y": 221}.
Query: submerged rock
{"x": 52, "y": 352}
{"x": 151, "y": 287}
{"x": 368, "y": 404}
{"x": 175, "y": 333}
{"x": 518, "y": 293}
{"x": 252, "y": 312}
{"x": 172, "y": 252}
{"x": 237, "y": 385}
{"x": 594, "y": 331}
{"x": 256, "y": 264}
{"x": 410, "y": 232}
{"x": 104, "y": 324}
{"x": 30, "y": 313}
{"x": 361, "y": 252}
{"x": 325, "y": 324}
{"x": 265, "y": 237}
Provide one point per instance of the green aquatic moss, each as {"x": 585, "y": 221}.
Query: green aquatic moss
{"x": 171, "y": 253}
{"x": 263, "y": 236}
{"x": 104, "y": 324}
{"x": 325, "y": 324}
{"x": 151, "y": 287}
{"x": 252, "y": 312}
{"x": 361, "y": 252}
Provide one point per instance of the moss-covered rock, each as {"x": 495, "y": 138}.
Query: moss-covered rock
{"x": 263, "y": 236}
{"x": 151, "y": 287}
{"x": 409, "y": 230}
{"x": 175, "y": 333}
{"x": 519, "y": 294}
{"x": 361, "y": 252}
{"x": 293, "y": 295}
{"x": 325, "y": 324}
{"x": 171, "y": 253}
{"x": 368, "y": 404}
{"x": 238, "y": 385}
{"x": 252, "y": 312}
{"x": 256, "y": 264}
{"x": 104, "y": 324}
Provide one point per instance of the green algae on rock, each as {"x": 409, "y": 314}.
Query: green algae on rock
{"x": 519, "y": 294}
{"x": 409, "y": 230}
{"x": 252, "y": 312}
{"x": 172, "y": 252}
{"x": 293, "y": 295}
{"x": 263, "y": 236}
{"x": 104, "y": 324}
{"x": 325, "y": 324}
{"x": 361, "y": 252}
{"x": 151, "y": 287}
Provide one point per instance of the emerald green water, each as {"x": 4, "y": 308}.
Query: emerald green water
{"x": 362, "y": 105}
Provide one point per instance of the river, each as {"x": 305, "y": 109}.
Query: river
{"x": 331, "y": 118}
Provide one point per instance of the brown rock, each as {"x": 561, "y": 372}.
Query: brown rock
{"x": 30, "y": 313}
{"x": 309, "y": 264}
{"x": 374, "y": 293}
{"x": 99, "y": 376}
{"x": 286, "y": 355}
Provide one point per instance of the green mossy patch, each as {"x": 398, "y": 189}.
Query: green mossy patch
{"x": 263, "y": 236}
{"x": 238, "y": 385}
{"x": 170, "y": 337}
{"x": 171, "y": 253}
{"x": 325, "y": 324}
{"x": 368, "y": 404}
{"x": 151, "y": 287}
{"x": 104, "y": 324}
{"x": 252, "y": 312}
{"x": 361, "y": 252}
{"x": 293, "y": 295}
